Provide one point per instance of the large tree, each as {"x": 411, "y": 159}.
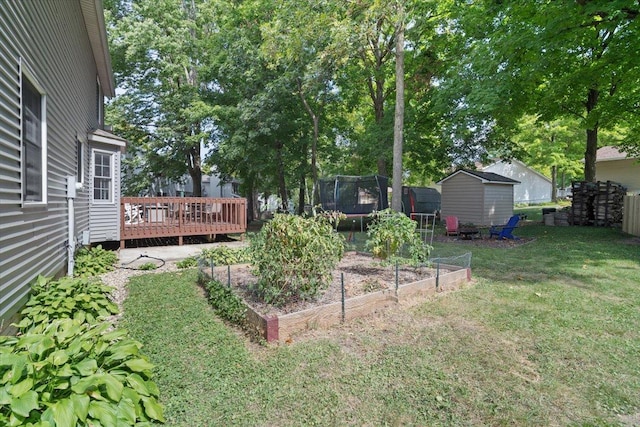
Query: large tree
{"x": 554, "y": 59}
{"x": 157, "y": 49}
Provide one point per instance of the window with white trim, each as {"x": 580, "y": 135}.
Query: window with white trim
{"x": 102, "y": 176}
{"x": 34, "y": 141}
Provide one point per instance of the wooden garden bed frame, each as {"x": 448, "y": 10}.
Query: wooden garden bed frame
{"x": 282, "y": 327}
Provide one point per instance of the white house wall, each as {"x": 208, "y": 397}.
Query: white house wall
{"x": 533, "y": 187}
{"x": 51, "y": 37}
{"x": 625, "y": 172}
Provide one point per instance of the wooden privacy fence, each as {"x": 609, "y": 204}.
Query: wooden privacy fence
{"x": 631, "y": 215}
{"x": 152, "y": 217}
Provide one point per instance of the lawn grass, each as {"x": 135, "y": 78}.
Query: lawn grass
{"x": 547, "y": 334}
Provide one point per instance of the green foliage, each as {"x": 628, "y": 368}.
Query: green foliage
{"x": 390, "y": 231}
{"x": 225, "y": 303}
{"x": 94, "y": 261}
{"x": 66, "y": 373}
{"x": 294, "y": 257}
{"x": 188, "y": 262}
{"x": 148, "y": 266}
{"x": 224, "y": 255}
{"x": 82, "y": 299}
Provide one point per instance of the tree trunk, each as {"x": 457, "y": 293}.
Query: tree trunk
{"x": 315, "y": 119}
{"x": 302, "y": 194}
{"x": 282, "y": 185}
{"x": 398, "y": 123}
{"x": 554, "y": 183}
{"x": 592, "y": 139}
{"x": 195, "y": 170}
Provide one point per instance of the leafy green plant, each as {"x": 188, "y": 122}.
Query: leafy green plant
{"x": 148, "y": 266}
{"x": 83, "y": 299}
{"x": 188, "y": 262}
{"x": 294, "y": 257}
{"x": 225, "y": 303}
{"x": 225, "y": 255}
{"x": 66, "y": 373}
{"x": 94, "y": 261}
{"x": 389, "y": 232}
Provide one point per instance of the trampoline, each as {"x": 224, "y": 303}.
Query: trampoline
{"x": 354, "y": 195}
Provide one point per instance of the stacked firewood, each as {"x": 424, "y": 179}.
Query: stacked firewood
{"x": 597, "y": 203}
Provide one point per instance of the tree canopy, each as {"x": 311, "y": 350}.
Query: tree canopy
{"x": 279, "y": 94}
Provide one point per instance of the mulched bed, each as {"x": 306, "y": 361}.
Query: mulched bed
{"x": 362, "y": 274}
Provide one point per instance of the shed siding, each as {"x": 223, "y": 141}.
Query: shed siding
{"x": 498, "y": 204}
{"x": 51, "y": 37}
{"x": 462, "y": 196}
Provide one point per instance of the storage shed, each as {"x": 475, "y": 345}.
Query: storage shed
{"x": 481, "y": 198}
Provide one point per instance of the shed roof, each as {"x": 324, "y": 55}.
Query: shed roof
{"x": 485, "y": 177}
{"x": 518, "y": 162}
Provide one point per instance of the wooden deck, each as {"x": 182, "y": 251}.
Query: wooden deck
{"x": 151, "y": 217}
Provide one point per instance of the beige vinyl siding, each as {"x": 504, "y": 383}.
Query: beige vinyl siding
{"x": 625, "y": 172}
{"x": 462, "y": 196}
{"x": 498, "y": 203}
{"x": 51, "y": 37}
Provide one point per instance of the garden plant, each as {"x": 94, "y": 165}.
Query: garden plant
{"x": 294, "y": 256}
{"x": 392, "y": 231}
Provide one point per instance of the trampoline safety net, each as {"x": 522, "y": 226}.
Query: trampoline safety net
{"x": 354, "y": 195}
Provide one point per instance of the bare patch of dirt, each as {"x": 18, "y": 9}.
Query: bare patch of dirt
{"x": 362, "y": 274}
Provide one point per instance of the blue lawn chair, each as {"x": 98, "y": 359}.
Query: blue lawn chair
{"x": 504, "y": 231}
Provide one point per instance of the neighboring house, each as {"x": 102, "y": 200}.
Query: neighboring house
{"x": 614, "y": 165}
{"x": 481, "y": 198}
{"x": 212, "y": 186}
{"x": 533, "y": 188}
{"x": 59, "y": 170}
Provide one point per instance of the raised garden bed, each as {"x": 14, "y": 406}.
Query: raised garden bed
{"x": 368, "y": 286}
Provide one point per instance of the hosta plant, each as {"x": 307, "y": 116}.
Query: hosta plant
{"x": 294, "y": 257}
{"x": 70, "y": 374}
{"x": 94, "y": 261}
{"x": 85, "y": 300}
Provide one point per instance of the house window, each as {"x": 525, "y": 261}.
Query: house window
{"x": 102, "y": 176}
{"x": 34, "y": 145}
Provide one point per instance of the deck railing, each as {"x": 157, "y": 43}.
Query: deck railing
{"x": 152, "y": 217}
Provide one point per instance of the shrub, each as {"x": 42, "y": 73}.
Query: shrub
{"x": 94, "y": 261}
{"x": 188, "y": 262}
{"x": 148, "y": 266}
{"x": 224, "y": 255}
{"x": 79, "y": 298}
{"x": 294, "y": 257}
{"x": 65, "y": 373}
{"x": 225, "y": 303}
{"x": 390, "y": 231}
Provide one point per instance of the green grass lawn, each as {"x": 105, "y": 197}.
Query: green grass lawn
{"x": 548, "y": 333}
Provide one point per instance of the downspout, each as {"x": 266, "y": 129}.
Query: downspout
{"x": 71, "y": 239}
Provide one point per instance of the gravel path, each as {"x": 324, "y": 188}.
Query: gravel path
{"x": 119, "y": 278}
